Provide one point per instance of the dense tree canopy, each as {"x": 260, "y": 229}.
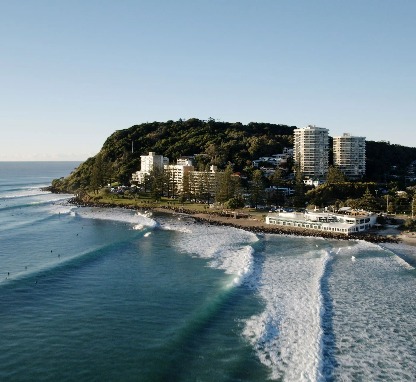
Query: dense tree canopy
{"x": 219, "y": 143}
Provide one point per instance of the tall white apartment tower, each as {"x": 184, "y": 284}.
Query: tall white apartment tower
{"x": 151, "y": 161}
{"x": 148, "y": 163}
{"x": 349, "y": 155}
{"x": 311, "y": 151}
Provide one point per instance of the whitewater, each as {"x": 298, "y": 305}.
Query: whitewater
{"x": 114, "y": 294}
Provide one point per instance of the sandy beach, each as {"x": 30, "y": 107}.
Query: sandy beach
{"x": 406, "y": 237}
{"x": 390, "y": 234}
{"x": 259, "y": 226}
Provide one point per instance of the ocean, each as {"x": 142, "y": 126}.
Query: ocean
{"x": 94, "y": 294}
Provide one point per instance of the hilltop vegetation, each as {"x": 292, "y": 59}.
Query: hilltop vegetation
{"x": 218, "y": 142}
{"x": 387, "y": 161}
{"x": 225, "y": 143}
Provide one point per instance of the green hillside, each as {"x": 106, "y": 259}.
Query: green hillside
{"x": 219, "y": 143}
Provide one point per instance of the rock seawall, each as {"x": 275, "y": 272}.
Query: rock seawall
{"x": 251, "y": 225}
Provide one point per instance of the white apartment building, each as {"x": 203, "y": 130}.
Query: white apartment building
{"x": 177, "y": 172}
{"x": 349, "y": 155}
{"x": 311, "y": 150}
{"x": 204, "y": 181}
{"x": 197, "y": 181}
{"x": 147, "y": 164}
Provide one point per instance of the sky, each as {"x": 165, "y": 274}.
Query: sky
{"x": 73, "y": 72}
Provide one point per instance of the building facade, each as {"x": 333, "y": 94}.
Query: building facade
{"x": 147, "y": 164}
{"x": 311, "y": 151}
{"x": 180, "y": 177}
{"x": 204, "y": 182}
{"x": 176, "y": 173}
{"x": 329, "y": 222}
{"x": 349, "y": 155}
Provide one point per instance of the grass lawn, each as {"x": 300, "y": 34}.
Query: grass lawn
{"x": 143, "y": 202}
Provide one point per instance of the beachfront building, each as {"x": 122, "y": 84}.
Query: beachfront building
{"x": 311, "y": 151}
{"x": 147, "y": 164}
{"x": 177, "y": 172}
{"x": 180, "y": 177}
{"x": 349, "y": 155}
{"x": 347, "y": 224}
{"x": 203, "y": 182}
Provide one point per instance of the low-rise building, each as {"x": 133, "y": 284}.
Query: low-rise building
{"x": 355, "y": 222}
{"x": 276, "y": 159}
{"x": 313, "y": 182}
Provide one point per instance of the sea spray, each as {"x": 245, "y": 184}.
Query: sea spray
{"x": 228, "y": 249}
{"x": 117, "y": 215}
{"x": 287, "y": 335}
{"x": 373, "y": 315}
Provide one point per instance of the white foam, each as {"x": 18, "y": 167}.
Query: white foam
{"x": 227, "y": 248}
{"x": 115, "y": 214}
{"x": 24, "y": 192}
{"x": 287, "y": 335}
{"x": 235, "y": 261}
{"x": 57, "y": 208}
{"x": 147, "y": 234}
{"x": 403, "y": 263}
{"x": 374, "y": 317}
{"x": 402, "y": 250}
{"x": 177, "y": 228}
{"x": 146, "y": 214}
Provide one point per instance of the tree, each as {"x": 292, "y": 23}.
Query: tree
{"x": 217, "y": 153}
{"x": 225, "y": 185}
{"x": 186, "y": 188}
{"x": 299, "y": 199}
{"x": 97, "y": 176}
{"x": 257, "y": 188}
{"x": 335, "y": 175}
{"x": 277, "y": 196}
{"x": 368, "y": 201}
{"x": 277, "y": 177}
{"x": 156, "y": 183}
{"x": 234, "y": 203}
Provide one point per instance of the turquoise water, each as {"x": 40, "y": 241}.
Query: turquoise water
{"x": 90, "y": 294}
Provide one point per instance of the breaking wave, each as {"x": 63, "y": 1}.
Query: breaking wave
{"x": 137, "y": 220}
{"x": 229, "y": 249}
{"x": 287, "y": 336}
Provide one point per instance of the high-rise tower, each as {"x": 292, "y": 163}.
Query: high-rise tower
{"x": 349, "y": 155}
{"x": 311, "y": 151}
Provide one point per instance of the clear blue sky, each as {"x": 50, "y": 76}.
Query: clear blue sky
{"x": 73, "y": 72}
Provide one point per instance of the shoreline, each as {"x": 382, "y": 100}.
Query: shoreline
{"x": 255, "y": 225}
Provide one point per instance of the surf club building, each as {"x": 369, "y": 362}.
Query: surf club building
{"x": 347, "y": 224}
